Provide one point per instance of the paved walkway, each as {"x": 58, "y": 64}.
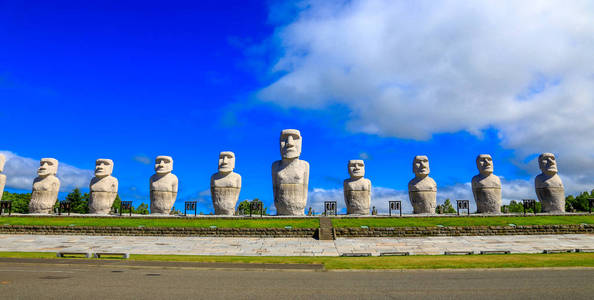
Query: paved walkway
{"x": 290, "y": 246}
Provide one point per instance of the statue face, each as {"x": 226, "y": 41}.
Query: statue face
{"x": 484, "y": 164}
{"x": 290, "y": 143}
{"x": 103, "y": 167}
{"x": 421, "y": 165}
{"x": 226, "y": 161}
{"x": 356, "y": 168}
{"x": 547, "y": 163}
{"x": 2, "y": 162}
{"x": 47, "y": 166}
{"x": 163, "y": 164}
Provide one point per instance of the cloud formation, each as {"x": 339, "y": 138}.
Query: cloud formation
{"x": 411, "y": 69}
{"x": 20, "y": 172}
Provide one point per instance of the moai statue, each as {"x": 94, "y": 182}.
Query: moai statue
{"x": 163, "y": 186}
{"x": 422, "y": 190}
{"x": 486, "y": 187}
{"x": 104, "y": 187}
{"x": 45, "y": 187}
{"x": 2, "y": 176}
{"x": 548, "y": 185}
{"x": 225, "y": 185}
{"x": 357, "y": 190}
{"x": 290, "y": 176}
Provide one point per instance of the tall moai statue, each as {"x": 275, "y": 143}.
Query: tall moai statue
{"x": 104, "y": 187}
{"x": 290, "y": 176}
{"x": 486, "y": 187}
{"x": 225, "y": 185}
{"x": 2, "y": 176}
{"x": 548, "y": 185}
{"x": 163, "y": 186}
{"x": 45, "y": 187}
{"x": 422, "y": 190}
{"x": 357, "y": 189}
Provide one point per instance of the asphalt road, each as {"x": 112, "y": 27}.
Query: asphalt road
{"x": 83, "y": 281}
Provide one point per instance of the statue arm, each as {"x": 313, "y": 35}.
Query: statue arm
{"x": 345, "y": 192}
{"x": 274, "y": 184}
{"x": 116, "y": 185}
{"x": 306, "y": 180}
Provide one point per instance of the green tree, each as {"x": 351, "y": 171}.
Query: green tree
{"x": 446, "y": 208}
{"x": 79, "y": 203}
{"x": 20, "y": 202}
{"x": 244, "y": 208}
{"x": 518, "y": 207}
{"x": 142, "y": 209}
{"x": 116, "y": 203}
{"x": 579, "y": 203}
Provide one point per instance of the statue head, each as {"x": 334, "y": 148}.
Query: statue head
{"x": 163, "y": 164}
{"x": 47, "y": 166}
{"x": 547, "y": 163}
{"x": 103, "y": 167}
{"x": 2, "y": 162}
{"x": 484, "y": 163}
{"x": 290, "y": 143}
{"x": 421, "y": 166}
{"x": 226, "y": 161}
{"x": 356, "y": 168}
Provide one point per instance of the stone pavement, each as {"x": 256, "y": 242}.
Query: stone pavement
{"x": 290, "y": 246}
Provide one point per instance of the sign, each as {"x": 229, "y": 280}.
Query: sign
{"x": 126, "y": 205}
{"x": 256, "y": 206}
{"x": 395, "y": 205}
{"x": 6, "y": 205}
{"x": 330, "y": 207}
{"x": 190, "y": 205}
{"x": 529, "y": 203}
{"x": 464, "y": 205}
{"x": 64, "y": 205}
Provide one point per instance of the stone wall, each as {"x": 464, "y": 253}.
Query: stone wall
{"x": 300, "y": 232}
{"x": 466, "y": 230}
{"x": 159, "y": 231}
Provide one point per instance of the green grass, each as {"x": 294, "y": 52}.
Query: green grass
{"x": 462, "y": 221}
{"x": 388, "y": 262}
{"x": 129, "y": 222}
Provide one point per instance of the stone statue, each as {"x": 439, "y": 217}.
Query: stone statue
{"x": 225, "y": 185}
{"x": 45, "y": 187}
{"x": 422, "y": 190}
{"x": 486, "y": 187}
{"x": 163, "y": 186}
{"x": 290, "y": 176}
{"x": 2, "y": 176}
{"x": 548, "y": 185}
{"x": 104, "y": 187}
{"x": 357, "y": 190}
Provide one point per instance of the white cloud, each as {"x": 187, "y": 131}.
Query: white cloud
{"x": 411, "y": 69}
{"x": 20, "y": 172}
{"x": 143, "y": 159}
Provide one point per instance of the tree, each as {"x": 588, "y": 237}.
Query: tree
{"x": 142, "y": 209}
{"x": 579, "y": 203}
{"x": 79, "y": 203}
{"x": 518, "y": 207}
{"x": 244, "y": 208}
{"x": 446, "y": 208}
{"x": 116, "y": 203}
{"x": 20, "y": 202}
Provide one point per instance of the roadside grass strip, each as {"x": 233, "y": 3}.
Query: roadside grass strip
{"x": 165, "y": 222}
{"x": 461, "y": 221}
{"x": 375, "y": 262}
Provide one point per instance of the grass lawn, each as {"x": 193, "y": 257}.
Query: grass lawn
{"x": 462, "y": 221}
{"x": 129, "y": 222}
{"x": 388, "y": 262}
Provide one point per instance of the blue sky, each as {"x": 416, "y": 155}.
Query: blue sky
{"x": 378, "y": 80}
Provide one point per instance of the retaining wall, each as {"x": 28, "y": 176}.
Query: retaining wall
{"x": 300, "y": 232}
